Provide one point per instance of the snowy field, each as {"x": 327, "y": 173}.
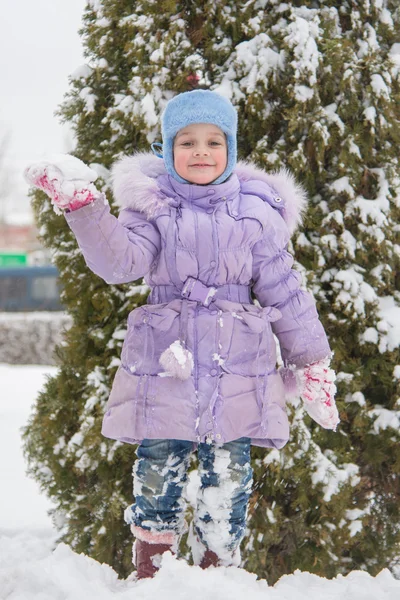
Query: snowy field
{"x": 33, "y": 568}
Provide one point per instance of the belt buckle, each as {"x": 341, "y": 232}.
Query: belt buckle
{"x": 193, "y": 289}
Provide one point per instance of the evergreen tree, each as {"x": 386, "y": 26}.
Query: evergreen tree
{"x": 316, "y": 85}
{"x": 318, "y": 91}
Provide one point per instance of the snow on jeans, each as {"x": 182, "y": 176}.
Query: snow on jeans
{"x": 160, "y": 475}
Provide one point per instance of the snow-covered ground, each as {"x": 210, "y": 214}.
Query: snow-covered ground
{"x": 32, "y": 567}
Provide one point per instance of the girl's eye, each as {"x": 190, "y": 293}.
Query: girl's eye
{"x": 211, "y": 143}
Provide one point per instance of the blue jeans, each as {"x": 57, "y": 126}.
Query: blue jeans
{"x": 160, "y": 476}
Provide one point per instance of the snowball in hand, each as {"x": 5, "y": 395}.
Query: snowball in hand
{"x": 70, "y": 168}
{"x": 63, "y": 177}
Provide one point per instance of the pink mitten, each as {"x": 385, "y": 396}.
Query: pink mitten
{"x": 317, "y": 390}
{"x": 65, "y": 179}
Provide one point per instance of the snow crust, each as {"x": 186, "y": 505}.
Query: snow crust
{"x": 64, "y": 575}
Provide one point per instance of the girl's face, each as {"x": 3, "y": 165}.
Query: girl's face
{"x": 200, "y": 153}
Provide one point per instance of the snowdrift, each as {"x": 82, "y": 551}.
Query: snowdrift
{"x": 64, "y": 575}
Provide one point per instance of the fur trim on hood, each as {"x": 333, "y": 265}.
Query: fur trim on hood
{"x": 283, "y": 182}
{"x": 134, "y": 180}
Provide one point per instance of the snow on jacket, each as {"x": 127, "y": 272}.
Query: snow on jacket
{"x": 202, "y": 250}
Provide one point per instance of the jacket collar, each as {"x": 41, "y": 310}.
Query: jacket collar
{"x": 140, "y": 182}
{"x": 202, "y": 196}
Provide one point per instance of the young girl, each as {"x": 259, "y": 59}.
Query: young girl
{"x": 198, "y": 365}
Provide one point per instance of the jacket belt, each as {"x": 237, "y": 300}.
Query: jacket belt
{"x": 193, "y": 289}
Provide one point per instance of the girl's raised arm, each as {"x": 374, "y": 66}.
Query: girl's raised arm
{"x": 119, "y": 250}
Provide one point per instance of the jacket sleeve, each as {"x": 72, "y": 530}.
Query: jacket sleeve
{"x": 120, "y": 249}
{"x": 300, "y": 333}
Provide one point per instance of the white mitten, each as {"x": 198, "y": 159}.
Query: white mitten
{"x": 315, "y": 383}
{"x": 65, "y": 179}
{"x": 317, "y": 390}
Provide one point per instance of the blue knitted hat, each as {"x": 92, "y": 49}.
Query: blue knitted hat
{"x": 199, "y": 106}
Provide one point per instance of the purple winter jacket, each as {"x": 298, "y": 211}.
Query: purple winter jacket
{"x": 202, "y": 249}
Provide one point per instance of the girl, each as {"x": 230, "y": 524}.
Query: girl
{"x": 198, "y": 365}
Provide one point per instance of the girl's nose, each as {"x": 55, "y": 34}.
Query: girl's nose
{"x": 201, "y": 151}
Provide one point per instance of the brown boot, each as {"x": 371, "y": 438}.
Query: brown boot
{"x": 210, "y": 559}
{"x": 147, "y": 557}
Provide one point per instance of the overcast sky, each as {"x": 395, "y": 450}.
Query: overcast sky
{"x": 39, "y": 48}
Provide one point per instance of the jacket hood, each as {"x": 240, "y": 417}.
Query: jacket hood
{"x": 135, "y": 186}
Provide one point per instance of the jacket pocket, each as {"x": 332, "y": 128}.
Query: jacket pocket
{"x": 151, "y": 329}
{"x": 251, "y": 348}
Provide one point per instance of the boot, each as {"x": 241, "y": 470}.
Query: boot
{"x": 210, "y": 559}
{"x": 148, "y": 548}
{"x": 147, "y": 557}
